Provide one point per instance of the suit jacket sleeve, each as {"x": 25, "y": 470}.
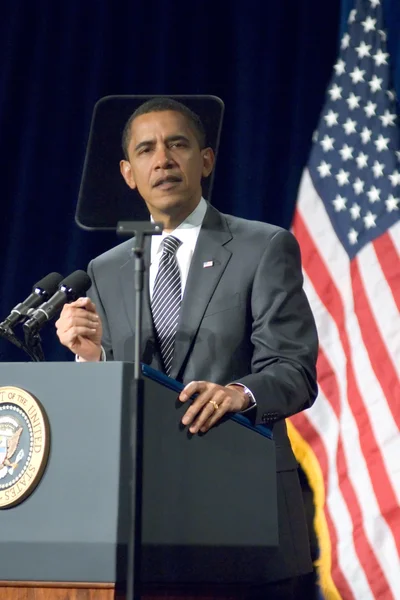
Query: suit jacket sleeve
{"x": 94, "y": 295}
{"x": 284, "y": 336}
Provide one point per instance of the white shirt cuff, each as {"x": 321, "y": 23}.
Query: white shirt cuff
{"x": 103, "y": 357}
{"x": 252, "y": 400}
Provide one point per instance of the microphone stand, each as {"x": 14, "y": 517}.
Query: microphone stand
{"x": 139, "y": 229}
{"x": 33, "y": 344}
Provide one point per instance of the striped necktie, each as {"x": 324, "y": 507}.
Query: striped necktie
{"x": 166, "y": 301}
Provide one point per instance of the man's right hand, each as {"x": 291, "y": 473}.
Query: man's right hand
{"x": 79, "y": 328}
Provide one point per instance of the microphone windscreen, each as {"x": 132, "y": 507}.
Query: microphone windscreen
{"x": 78, "y": 282}
{"x": 49, "y": 284}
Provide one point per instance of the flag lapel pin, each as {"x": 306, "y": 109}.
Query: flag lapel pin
{"x": 208, "y": 263}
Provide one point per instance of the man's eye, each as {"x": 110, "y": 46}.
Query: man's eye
{"x": 177, "y": 145}
{"x": 144, "y": 150}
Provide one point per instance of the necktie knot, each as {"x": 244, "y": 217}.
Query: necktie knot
{"x": 171, "y": 244}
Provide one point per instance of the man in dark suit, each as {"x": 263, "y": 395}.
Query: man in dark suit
{"x": 240, "y": 331}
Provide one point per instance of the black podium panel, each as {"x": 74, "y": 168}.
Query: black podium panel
{"x": 209, "y": 502}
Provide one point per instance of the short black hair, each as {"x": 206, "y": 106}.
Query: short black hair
{"x": 161, "y": 104}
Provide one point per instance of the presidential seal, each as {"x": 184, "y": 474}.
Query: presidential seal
{"x": 24, "y": 445}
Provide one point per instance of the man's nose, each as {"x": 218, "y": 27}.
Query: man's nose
{"x": 163, "y": 157}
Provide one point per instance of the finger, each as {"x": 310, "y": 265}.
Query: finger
{"x": 197, "y": 405}
{"x": 80, "y": 325}
{"x": 69, "y": 337}
{"x": 214, "y": 409}
{"x": 203, "y": 417}
{"x": 215, "y": 417}
{"x": 85, "y": 303}
{"x": 71, "y": 314}
{"x": 79, "y": 317}
{"x": 192, "y": 388}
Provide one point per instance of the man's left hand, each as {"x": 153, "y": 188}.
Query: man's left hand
{"x": 212, "y": 403}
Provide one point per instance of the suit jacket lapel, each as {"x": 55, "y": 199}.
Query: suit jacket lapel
{"x": 127, "y": 276}
{"x": 201, "y": 282}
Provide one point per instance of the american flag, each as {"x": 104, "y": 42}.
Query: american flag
{"x": 348, "y": 226}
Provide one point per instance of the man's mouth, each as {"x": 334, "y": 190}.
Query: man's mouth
{"x": 169, "y": 179}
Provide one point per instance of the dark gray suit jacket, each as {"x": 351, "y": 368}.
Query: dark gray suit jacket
{"x": 245, "y": 319}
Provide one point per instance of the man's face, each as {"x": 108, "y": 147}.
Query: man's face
{"x": 166, "y": 163}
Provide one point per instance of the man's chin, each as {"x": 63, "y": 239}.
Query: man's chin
{"x": 172, "y": 203}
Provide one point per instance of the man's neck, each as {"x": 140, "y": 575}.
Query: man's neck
{"x": 171, "y": 222}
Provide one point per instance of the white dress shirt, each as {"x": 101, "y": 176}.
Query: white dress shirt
{"x": 187, "y": 232}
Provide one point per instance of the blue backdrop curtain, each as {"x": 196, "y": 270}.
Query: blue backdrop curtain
{"x": 269, "y": 61}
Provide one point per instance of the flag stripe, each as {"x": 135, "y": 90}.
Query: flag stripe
{"x": 348, "y": 561}
{"x": 378, "y": 293}
{"x": 381, "y": 361}
{"x": 394, "y": 233}
{"x": 389, "y": 259}
{"x": 308, "y": 432}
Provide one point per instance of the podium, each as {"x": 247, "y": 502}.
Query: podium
{"x": 209, "y": 501}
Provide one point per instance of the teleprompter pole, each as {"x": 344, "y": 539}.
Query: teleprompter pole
{"x": 140, "y": 230}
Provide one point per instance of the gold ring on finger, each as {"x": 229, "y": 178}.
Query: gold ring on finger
{"x": 215, "y": 405}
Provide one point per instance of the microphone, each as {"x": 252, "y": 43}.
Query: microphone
{"x": 71, "y": 288}
{"x": 41, "y": 291}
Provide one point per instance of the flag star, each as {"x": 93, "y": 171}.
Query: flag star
{"x": 340, "y": 67}
{"x": 315, "y": 136}
{"x": 381, "y": 143}
{"x": 352, "y": 16}
{"x": 375, "y": 84}
{"x": 391, "y": 95}
{"x": 387, "y": 118}
{"x": 378, "y": 169}
{"x": 331, "y": 118}
{"x": 357, "y": 75}
{"x": 353, "y": 101}
{"x": 324, "y": 169}
{"x": 369, "y": 220}
{"x": 395, "y": 178}
{"x": 363, "y": 49}
{"x": 342, "y": 177}
{"x": 352, "y": 235}
{"x": 398, "y": 154}
{"x": 366, "y": 135}
{"x": 370, "y": 109}
{"x": 339, "y": 203}
{"x": 335, "y": 92}
{"x": 362, "y": 160}
{"x": 355, "y": 211}
{"x": 346, "y": 152}
{"x": 327, "y": 143}
{"x": 382, "y": 34}
{"x": 392, "y": 203}
{"x": 369, "y": 24}
{"x": 375, "y": 3}
{"x": 350, "y": 126}
{"x": 358, "y": 186}
{"x": 345, "y": 41}
{"x": 373, "y": 194}
{"x": 380, "y": 57}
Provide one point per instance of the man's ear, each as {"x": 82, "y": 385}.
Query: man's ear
{"x": 126, "y": 172}
{"x": 208, "y": 161}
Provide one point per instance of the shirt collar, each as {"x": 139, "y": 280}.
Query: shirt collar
{"x": 184, "y": 231}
